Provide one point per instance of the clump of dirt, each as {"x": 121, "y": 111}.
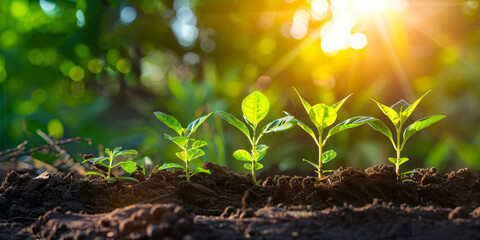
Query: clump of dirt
{"x": 24, "y": 196}
{"x": 228, "y": 205}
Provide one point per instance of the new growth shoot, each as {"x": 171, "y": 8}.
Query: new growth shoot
{"x": 323, "y": 116}
{"x": 128, "y": 166}
{"x": 398, "y": 114}
{"x": 255, "y": 108}
{"x": 190, "y": 147}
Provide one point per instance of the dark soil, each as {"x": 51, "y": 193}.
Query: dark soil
{"x": 350, "y": 204}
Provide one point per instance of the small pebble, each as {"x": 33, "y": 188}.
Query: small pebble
{"x": 170, "y": 218}
{"x": 127, "y": 226}
{"x": 158, "y": 211}
{"x": 180, "y": 212}
{"x": 183, "y": 226}
{"x": 154, "y": 231}
{"x": 142, "y": 215}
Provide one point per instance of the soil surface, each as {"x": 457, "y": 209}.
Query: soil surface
{"x": 350, "y": 204}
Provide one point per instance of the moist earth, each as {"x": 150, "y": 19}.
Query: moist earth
{"x": 350, "y": 204}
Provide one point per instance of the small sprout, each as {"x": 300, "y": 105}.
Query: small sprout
{"x": 323, "y": 116}
{"x": 190, "y": 147}
{"x": 255, "y": 108}
{"x": 128, "y": 166}
{"x": 398, "y": 115}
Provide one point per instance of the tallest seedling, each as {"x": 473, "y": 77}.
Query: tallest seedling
{"x": 398, "y": 113}
{"x": 323, "y": 116}
{"x": 255, "y": 108}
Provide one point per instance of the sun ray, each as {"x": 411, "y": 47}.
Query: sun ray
{"x": 290, "y": 56}
{"x": 400, "y": 72}
{"x": 439, "y": 43}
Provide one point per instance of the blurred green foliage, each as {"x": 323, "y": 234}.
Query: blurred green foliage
{"x": 100, "y": 69}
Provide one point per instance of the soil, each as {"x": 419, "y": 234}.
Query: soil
{"x": 350, "y": 204}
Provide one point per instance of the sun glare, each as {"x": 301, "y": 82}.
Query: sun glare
{"x": 339, "y": 33}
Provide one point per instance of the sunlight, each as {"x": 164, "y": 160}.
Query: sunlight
{"x": 338, "y": 33}
{"x": 368, "y": 6}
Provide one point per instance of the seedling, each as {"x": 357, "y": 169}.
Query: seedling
{"x": 255, "y": 108}
{"x": 398, "y": 114}
{"x": 189, "y": 151}
{"x": 323, "y": 116}
{"x": 128, "y": 166}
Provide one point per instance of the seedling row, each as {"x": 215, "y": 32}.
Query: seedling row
{"x": 255, "y": 108}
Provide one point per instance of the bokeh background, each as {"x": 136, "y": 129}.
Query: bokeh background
{"x": 99, "y": 69}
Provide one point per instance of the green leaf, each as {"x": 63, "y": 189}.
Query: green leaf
{"x": 258, "y": 181}
{"x": 408, "y": 172}
{"x": 200, "y": 170}
{"x": 171, "y": 165}
{"x": 255, "y": 107}
{"x": 195, "y": 153}
{"x": 261, "y": 151}
{"x": 306, "y": 105}
{"x": 199, "y": 144}
{"x": 379, "y": 126}
{"x": 339, "y": 104}
{"x": 242, "y": 155}
{"x": 394, "y": 116}
{"x": 248, "y": 166}
{"x": 108, "y": 152}
{"x": 129, "y": 166}
{"x": 95, "y": 173}
{"x": 128, "y": 178}
{"x": 328, "y": 156}
{"x": 124, "y": 152}
{"x": 308, "y": 108}
{"x": 400, "y": 106}
{"x": 419, "y": 125}
{"x": 400, "y": 161}
{"x": 308, "y": 130}
{"x": 97, "y": 160}
{"x": 192, "y": 127}
{"x": 407, "y": 112}
{"x": 111, "y": 179}
{"x": 234, "y": 121}
{"x": 327, "y": 171}
{"x": 349, "y": 123}
{"x": 313, "y": 164}
{"x": 261, "y": 148}
{"x": 170, "y": 121}
{"x": 181, "y": 155}
{"x": 280, "y": 125}
{"x": 179, "y": 140}
{"x": 324, "y": 115}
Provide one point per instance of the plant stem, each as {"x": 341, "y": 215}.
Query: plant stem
{"x": 253, "y": 155}
{"x": 320, "y": 168}
{"x": 110, "y": 168}
{"x": 320, "y": 152}
{"x": 397, "y": 167}
{"x": 187, "y": 169}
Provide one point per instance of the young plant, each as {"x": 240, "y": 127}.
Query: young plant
{"x": 190, "y": 147}
{"x": 398, "y": 114}
{"x": 128, "y": 166}
{"x": 323, "y": 116}
{"x": 255, "y": 108}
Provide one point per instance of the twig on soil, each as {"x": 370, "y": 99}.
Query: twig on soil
{"x": 48, "y": 146}
{"x": 20, "y": 147}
